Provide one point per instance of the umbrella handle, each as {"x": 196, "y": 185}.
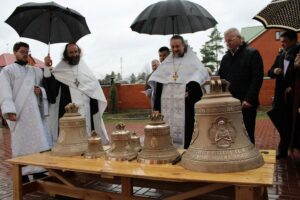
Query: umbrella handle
{"x": 49, "y": 53}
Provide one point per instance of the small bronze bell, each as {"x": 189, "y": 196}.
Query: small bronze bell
{"x": 120, "y": 149}
{"x": 73, "y": 138}
{"x": 220, "y": 141}
{"x": 135, "y": 142}
{"x": 95, "y": 149}
{"x": 158, "y": 147}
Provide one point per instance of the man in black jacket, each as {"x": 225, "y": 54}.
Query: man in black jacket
{"x": 242, "y": 66}
{"x": 283, "y": 71}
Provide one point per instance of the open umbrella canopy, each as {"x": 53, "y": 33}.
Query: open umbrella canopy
{"x": 48, "y": 22}
{"x": 173, "y": 17}
{"x": 283, "y": 14}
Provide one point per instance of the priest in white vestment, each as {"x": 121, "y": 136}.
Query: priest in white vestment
{"x": 24, "y": 105}
{"x": 179, "y": 79}
{"x": 72, "y": 81}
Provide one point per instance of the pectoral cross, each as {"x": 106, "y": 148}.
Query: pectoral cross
{"x": 175, "y": 76}
{"x": 76, "y": 82}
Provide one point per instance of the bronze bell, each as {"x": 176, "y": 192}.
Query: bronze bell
{"x": 95, "y": 148}
{"x": 72, "y": 139}
{"x": 120, "y": 149}
{"x": 220, "y": 142}
{"x": 158, "y": 146}
{"x": 135, "y": 142}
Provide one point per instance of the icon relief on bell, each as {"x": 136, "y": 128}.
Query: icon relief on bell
{"x": 222, "y": 133}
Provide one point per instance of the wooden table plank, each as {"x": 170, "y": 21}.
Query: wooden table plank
{"x": 166, "y": 172}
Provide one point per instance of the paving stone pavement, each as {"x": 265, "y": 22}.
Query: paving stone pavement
{"x": 286, "y": 179}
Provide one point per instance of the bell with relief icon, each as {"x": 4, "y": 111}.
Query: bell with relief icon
{"x": 95, "y": 149}
{"x": 73, "y": 138}
{"x": 120, "y": 149}
{"x": 158, "y": 147}
{"x": 220, "y": 142}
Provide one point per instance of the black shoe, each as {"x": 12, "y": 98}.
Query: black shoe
{"x": 25, "y": 179}
{"x": 281, "y": 156}
{"x": 39, "y": 175}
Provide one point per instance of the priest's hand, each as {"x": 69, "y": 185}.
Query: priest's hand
{"x": 277, "y": 71}
{"x": 37, "y": 91}
{"x": 246, "y": 105}
{"x": 48, "y": 61}
{"x": 12, "y": 117}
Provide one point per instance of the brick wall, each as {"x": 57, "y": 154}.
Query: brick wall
{"x": 129, "y": 96}
{"x": 267, "y": 92}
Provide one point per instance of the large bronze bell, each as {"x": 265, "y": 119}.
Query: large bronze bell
{"x": 220, "y": 141}
{"x": 120, "y": 149}
{"x": 158, "y": 146}
{"x": 73, "y": 138}
{"x": 95, "y": 148}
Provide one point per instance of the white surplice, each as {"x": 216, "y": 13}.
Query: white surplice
{"x": 29, "y": 134}
{"x": 188, "y": 68}
{"x": 88, "y": 87}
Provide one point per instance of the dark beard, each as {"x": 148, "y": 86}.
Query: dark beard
{"x": 74, "y": 60}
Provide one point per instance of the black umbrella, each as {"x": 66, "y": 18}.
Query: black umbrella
{"x": 281, "y": 14}
{"x": 173, "y": 17}
{"x": 48, "y": 22}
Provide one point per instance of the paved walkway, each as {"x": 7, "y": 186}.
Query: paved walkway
{"x": 286, "y": 181}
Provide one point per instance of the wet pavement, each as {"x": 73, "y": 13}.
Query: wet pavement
{"x": 286, "y": 184}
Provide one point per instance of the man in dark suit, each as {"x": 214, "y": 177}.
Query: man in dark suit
{"x": 242, "y": 66}
{"x": 283, "y": 71}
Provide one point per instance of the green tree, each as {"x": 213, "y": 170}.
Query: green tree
{"x": 119, "y": 77}
{"x": 212, "y": 49}
{"x": 132, "y": 78}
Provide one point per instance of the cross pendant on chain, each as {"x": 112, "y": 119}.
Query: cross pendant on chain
{"x": 76, "y": 82}
{"x": 175, "y": 76}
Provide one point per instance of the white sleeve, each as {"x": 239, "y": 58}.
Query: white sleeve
{"x": 47, "y": 72}
{"x": 6, "y": 98}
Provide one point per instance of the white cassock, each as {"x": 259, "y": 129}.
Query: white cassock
{"x": 88, "y": 87}
{"x": 184, "y": 69}
{"x": 29, "y": 134}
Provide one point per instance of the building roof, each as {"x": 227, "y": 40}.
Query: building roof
{"x": 250, "y": 33}
{"x": 7, "y": 58}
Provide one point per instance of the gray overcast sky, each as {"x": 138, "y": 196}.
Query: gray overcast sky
{"x": 111, "y": 37}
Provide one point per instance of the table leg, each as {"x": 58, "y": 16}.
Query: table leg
{"x": 250, "y": 193}
{"x": 127, "y": 189}
{"x": 17, "y": 182}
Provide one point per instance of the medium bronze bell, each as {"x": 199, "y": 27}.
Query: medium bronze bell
{"x": 120, "y": 149}
{"x": 220, "y": 142}
{"x": 95, "y": 148}
{"x": 135, "y": 142}
{"x": 158, "y": 146}
{"x": 73, "y": 138}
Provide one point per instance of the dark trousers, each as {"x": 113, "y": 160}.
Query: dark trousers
{"x": 285, "y": 133}
{"x": 249, "y": 117}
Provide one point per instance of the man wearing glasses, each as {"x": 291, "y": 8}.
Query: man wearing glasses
{"x": 242, "y": 66}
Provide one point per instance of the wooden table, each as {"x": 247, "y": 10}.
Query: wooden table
{"x": 249, "y": 185}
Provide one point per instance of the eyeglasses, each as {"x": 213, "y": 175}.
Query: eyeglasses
{"x": 230, "y": 40}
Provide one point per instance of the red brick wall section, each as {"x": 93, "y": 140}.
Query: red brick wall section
{"x": 267, "y": 92}
{"x": 129, "y": 96}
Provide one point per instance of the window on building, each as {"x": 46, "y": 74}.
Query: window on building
{"x": 277, "y": 35}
